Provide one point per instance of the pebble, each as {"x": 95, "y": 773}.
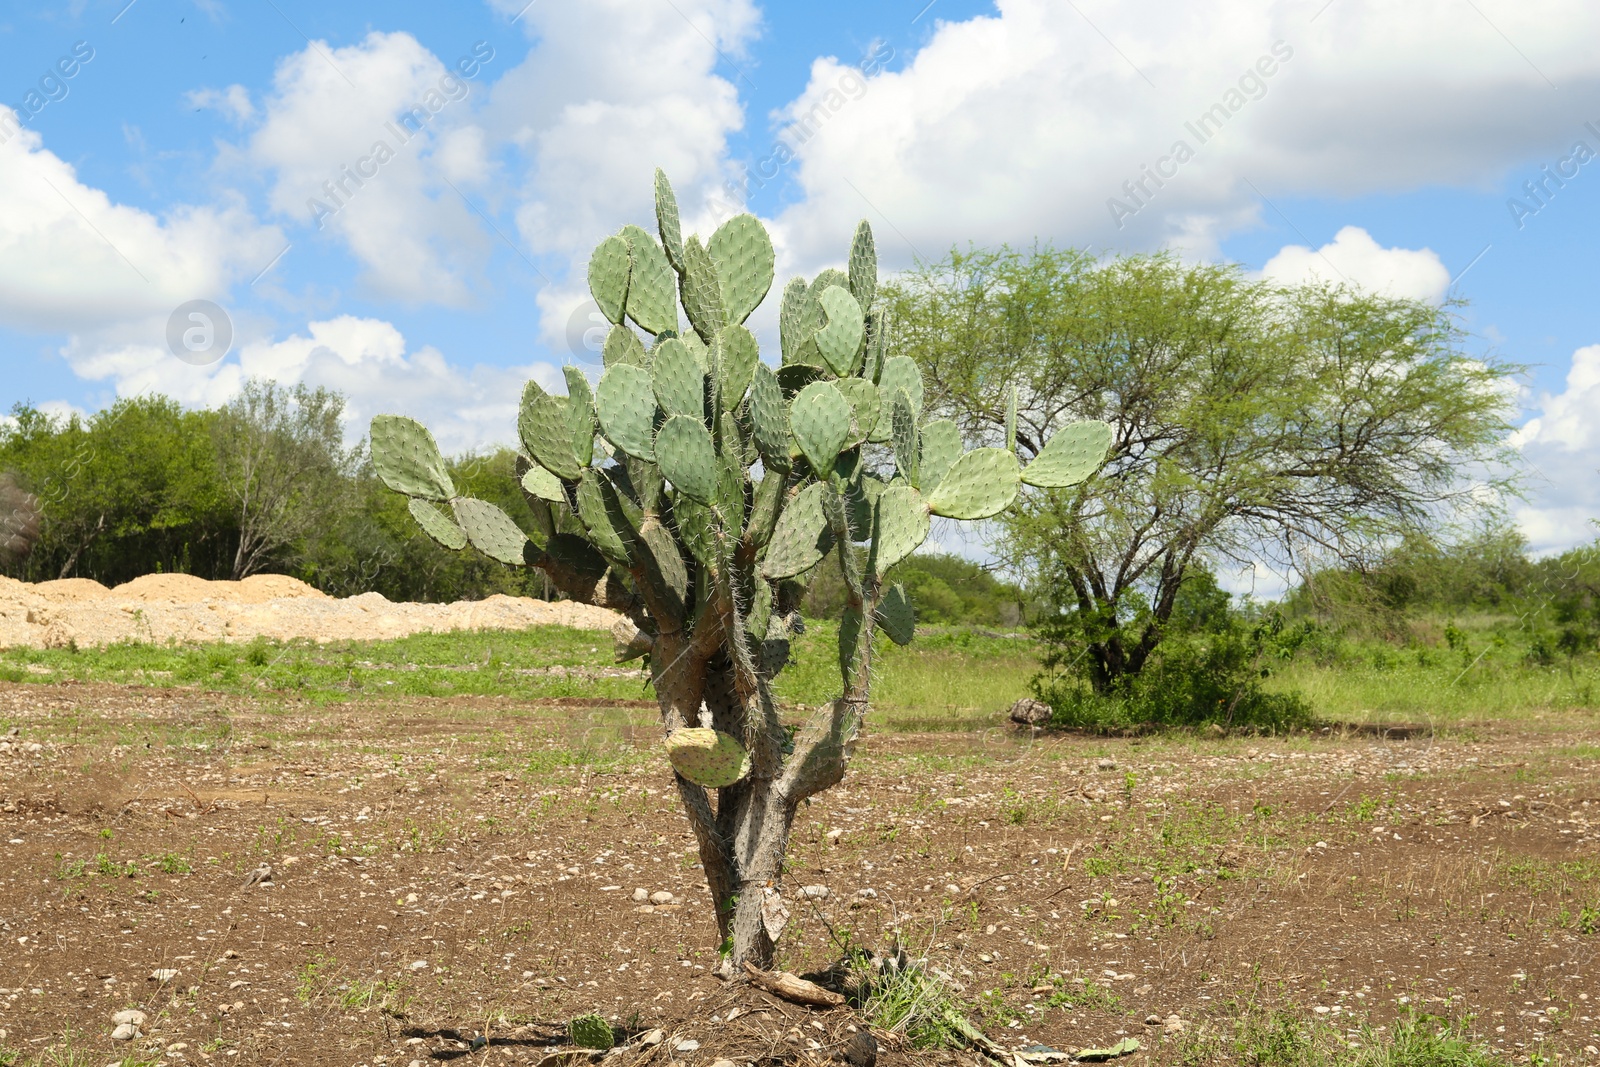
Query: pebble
{"x": 689, "y": 1045}
{"x": 129, "y": 1015}
{"x": 163, "y": 974}
{"x": 125, "y": 1032}
{"x": 419, "y": 965}
{"x": 814, "y": 892}
{"x": 1106, "y": 763}
{"x": 661, "y": 896}
{"x": 1152, "y": 1020}
{"x": 641, "y": 896}
{"x": 723, "y": 1063}
{"x": 1174, "y": 1025}
{"x": 652, "y": 1038}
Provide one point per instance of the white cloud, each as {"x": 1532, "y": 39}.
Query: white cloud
{"x": 233, "y": 102}
{"x": 365, "y": 359}
{"x": 1561, "y": 445}
{"x": 1027, "y": 123}
{"x": 1354, "y": 257}
{"x": 71, "y": 259}
{"x": 352, "y": 137}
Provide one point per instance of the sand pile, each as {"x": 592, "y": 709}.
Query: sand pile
{"x": 164, "y": 607}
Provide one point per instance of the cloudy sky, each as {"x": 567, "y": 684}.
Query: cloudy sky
{"x": 160, "y": 152}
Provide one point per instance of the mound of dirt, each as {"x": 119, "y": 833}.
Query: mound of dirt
{"x": 167, "y": 607}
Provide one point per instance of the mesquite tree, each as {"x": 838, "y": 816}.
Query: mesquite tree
{"x": 694, "y": 489}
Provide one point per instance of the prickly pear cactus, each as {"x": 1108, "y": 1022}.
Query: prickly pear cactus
{"x": 591, "y": 1031}
{"x": 695, "y": 489}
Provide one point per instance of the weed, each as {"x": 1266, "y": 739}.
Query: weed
{"x": 313, "y": 977}
{"x": 904, "y": 996}
{"x": 172, "y": 863}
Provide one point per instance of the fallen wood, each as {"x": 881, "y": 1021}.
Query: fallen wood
{"x": 793, "y": 988}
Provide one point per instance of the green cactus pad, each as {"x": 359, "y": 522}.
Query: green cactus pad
{"x": 580, "y": 414}
{"x": 697, "y": 530}
{"x": 840, "y": 340}
{"x": 490, "y": 530}
{"x": 652, "y": 283}
{"x": 796, "y": 376}
{"x": 707, "y": 758}
{"x": 791, "y": 317}
{"x": 941, "y": 446}
{"x": 408, "y": 459}
{"x": 679, "y": 379}
{"x": 543, "y": 485}
{"x": 437, "y": 525}
{"x": 623, "y": 346}
{"x": 900, "y": 373}
{"x": 664, "y": 569}
{"x": 546, "y": 431}
{"x": 901, "y": 528}
{"x": 1071, "y": 455}
{"x": 769, "y": 417}
{"x": 819, "y": 284}
{"x": 602, "y": 518}
{"x": 608, "y": 277}
{"x": 737, "y": 354}
{"x": 687, "y": 457}
{"x": 980, "y": 484}
{"x": 801, "y": 537}
{"x": 592, "y": 1031}
{"x": 702, "y": 292}
{"x": 626, "y": 400}
{"x": 667, "y": 221}
{"x": 864, "y": 405}
{"x": 861, "y": 500}
{"x": 907, "y": 439}
{"x": 819, "y": 418}
{"x": 897, "y": 616}
{"x": 864, "y": 266}
{"x": 877, "y": 344}
{"x": 755, "y": 622}
{"x": 742, "y": 252}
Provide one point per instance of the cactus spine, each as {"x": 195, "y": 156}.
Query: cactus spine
{"x": 720, "y": 487}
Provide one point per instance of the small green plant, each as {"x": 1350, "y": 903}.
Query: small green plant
{"x": 904, "y": 996}
{"x": 104, "y": 864}
{"x": 172, "y": 863}
{"x": 362, "y": 995}
{"x": 313, "y": 977}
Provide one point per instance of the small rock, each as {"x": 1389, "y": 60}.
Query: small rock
{"x": 162, "y": 974}
{"x": 641, "y": 896}
{"x": 723, "y": 1063}
{"x": 833, "y": 836}
{"x": 860, "y": 1051}
{"x": 1152, "y": 1020}
{"x": 419, "y": 965}
{"x": 1174, "y": 1025}
{"x": 688, "y": 1045}
{"x": 652, "y": 1038}
{"x": 132, "y": 1016}
{"x": 1105, "y": 763}
{"x": 661, "y": 897}
{"x": 1031, "y": 712}
{"x": 814, "y": 892}
{"x": 125, "y": 1032}
{"x": 867, "y": 894}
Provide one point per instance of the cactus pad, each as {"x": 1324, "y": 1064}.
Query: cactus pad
{"x": 702, "y": 292}
{"x": 901, "y": 373}
{"x": 897, "y": 616}
{"x": 546, "y": 431}
{"x": 737, "y": 354}
{"x": 679, "y": 379}
{"x": 877, "y": 344}
{"x": 864, "y": 266}
{"x": 490, "y": 530}
{"x": 791, "y": 317}
{"x": 592, "y": 1031}
{"x": 608, "y": 277}
{"x": 802, "y": 536}
{"x": 901, "y": 528}
{"x": 667, "y": 221}
{"x": 839, "y": 342}
{"x": 437, "y": 525}
{"x": 864, "y": 405}
{"x": 652, "y": 289}
{"x": 408, "y": 460}
{"x": 602, "y": 517}
{"x": 623, "y": 346}
{"x": 1011, "y": 421}
{"x": 941, "y": 446}
{"x": 742, "y": 252}
{"x": 626, "y": 400}
{"x": 708, "y": 758}
{"x": 1070, "y": 456}
{"x": 543, "y": 485}
{"x": 687, "y": 457}
{"x": 820, "y": 421}
{"x": 769, "y": 417}
{"x": 906, "y": 437}
{"x": 580, "y": 414}
{"x": 980, "y": 484}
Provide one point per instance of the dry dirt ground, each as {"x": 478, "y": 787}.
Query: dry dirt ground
{"x": 456, "y": 878}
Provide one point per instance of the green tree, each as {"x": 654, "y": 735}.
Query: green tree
{"x": 1249, "y": 420}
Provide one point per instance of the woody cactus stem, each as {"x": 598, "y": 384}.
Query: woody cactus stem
{"x": 695, "y": 490}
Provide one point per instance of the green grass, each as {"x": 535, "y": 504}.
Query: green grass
{"x": 1281, "y": 1038}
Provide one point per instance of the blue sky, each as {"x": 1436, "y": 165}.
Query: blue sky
{"x": 177, "y": 163}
